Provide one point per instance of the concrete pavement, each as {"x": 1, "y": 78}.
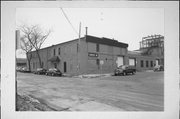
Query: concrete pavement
{"x": 140, "y": 92}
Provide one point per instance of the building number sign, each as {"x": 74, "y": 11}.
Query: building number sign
{"x": 92, "y": 54}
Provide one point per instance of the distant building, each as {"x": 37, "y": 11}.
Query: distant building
{"x": 21, "y": 62}
{"x": 150, "y": 53}
{"x": 91, "y": 55}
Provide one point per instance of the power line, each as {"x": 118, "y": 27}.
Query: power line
{"x": 69, "y": 21}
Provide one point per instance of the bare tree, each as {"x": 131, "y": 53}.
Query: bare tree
{"x": 36, "y": 37}
{"x": 27, "y": 47}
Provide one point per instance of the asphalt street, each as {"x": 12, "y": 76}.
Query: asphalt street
{"x": 143, "y": 91}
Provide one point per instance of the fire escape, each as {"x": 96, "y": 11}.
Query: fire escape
{"x": 150, "y": 43}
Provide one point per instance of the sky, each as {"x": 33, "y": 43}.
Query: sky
{"x": 127, "y": 25}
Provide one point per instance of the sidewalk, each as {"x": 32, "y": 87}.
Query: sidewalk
{"x": 93, "y": 75}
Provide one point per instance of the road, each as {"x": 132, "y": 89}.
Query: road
{"x": 143, "y": 91}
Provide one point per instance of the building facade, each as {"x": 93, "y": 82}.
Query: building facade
{"x": 150, "y": 53}
{"x": 85, "y": 56}
{"x": 91, "y": 55}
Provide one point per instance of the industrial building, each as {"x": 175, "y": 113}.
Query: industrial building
{"x": 89, "y": 55}
{"x": 150, "y": 53}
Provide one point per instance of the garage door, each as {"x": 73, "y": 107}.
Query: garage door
{"x": 120, "y": 61}
{"x": 132, "y": 62}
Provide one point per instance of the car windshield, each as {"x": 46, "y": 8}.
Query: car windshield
{"x": 53, "y": 69}
{"x": 39, "y": 69}
{"x": 122, "y": 67}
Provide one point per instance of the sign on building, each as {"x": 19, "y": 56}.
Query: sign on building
{"x": 92, "y": 54}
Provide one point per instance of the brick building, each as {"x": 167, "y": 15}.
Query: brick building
{"x": 150, "y": 53}
{"x": 90, "y": 55}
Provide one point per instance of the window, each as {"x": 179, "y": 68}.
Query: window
{"x": 97, "y": 61}
{"x": 59, "y": 51}
{"x": 33, "y": 65}
{"x": 142, "y": 63}
{"x": 55, "y": 65}
{"x": 54, "y": 52}
{"x": 132, "y": 62}
{"x": 77, "y": 47}
{"x": 42, "y": 64}
{"x": 151, "y": 63}
{"x": 147, "y": 64}
{"x": 97, "y": 47}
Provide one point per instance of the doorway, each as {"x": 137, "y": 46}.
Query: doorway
{"x": 65, "y": 67}
{"x": 120, "y": 61}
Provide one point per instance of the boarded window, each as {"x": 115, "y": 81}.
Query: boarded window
{"x": 147, "y": 63}
{"x": 151, "y": 63}
{"x": 59, "y": 51}
{"x": 33, "y": 65}
{"x": 77, "y": 47}
{"x": 97, "y": 61}
{"x": 97, "y": 47}
{"x": 54, "y": 52}
{"x": 142, "y": 63}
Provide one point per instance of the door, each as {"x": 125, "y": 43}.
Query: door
{"x": 120, "y": 61}
{"x": 157, "y": 62}
{"x": 55, "y": 65}
{"x": 132, "y": 62}
{"x": 65, "y": 67}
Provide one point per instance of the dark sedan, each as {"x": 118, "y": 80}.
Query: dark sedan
{"x": 54, "y": 72}
{"x": 124, "y": 70}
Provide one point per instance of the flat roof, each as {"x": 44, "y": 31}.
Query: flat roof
{"x": 106, "y": 41}
{"x": 94, "y": 39}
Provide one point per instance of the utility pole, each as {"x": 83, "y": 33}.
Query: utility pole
{"x": 79, "y": 43}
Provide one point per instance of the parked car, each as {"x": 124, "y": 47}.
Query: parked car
{"x": 124, "y": 70}
{"x": 54, "y": 72}
{"x": 158, "y": 68}
{"x": 25, "y": 70}
{"x": 18, "y": 69}
{"x": 40, "y": 71}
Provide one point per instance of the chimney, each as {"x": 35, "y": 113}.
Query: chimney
{"x": 86, "y": 31}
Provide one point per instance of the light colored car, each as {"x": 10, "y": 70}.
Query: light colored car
{"x": 159, "y": 68}
{"x": 25, "y": 70}
{"x": 40, "y": 71}
{"x": 54, "y": 72}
